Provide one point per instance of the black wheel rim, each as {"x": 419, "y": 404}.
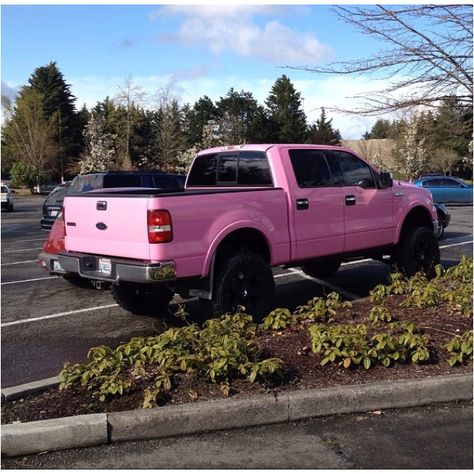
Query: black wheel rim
{"x": 423, "y": 254}
{"x": 245, "y": 288}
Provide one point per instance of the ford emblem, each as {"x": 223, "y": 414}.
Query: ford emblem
{"x": 101, "y": 226}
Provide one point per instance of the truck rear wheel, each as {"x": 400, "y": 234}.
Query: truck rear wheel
{"x": 322, "y": 269}
{"x": 141, "y": 299}
{"x": 418, "y": 251}
{"x": 243, "y": 280}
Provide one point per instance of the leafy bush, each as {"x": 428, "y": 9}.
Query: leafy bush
{"x": 279, "y": 318}
{"x": 352, "y": 345}
{"x": 460, "y": 349}
{"x": 220, "y": 352}
{"x": 380, "y": 313}
{"x": 452, "y": 286}
{"x": 322, "y": 308}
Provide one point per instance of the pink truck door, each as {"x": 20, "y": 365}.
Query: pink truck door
{"x": 316, "y": 205}
{"x": 368, "y": 210}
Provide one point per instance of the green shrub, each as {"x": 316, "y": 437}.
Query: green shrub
{"x": 223, "y": 350}
{"x": 460, "y": 349}
{"x": 353, "y": 345}
{"x": 322, "y": 308}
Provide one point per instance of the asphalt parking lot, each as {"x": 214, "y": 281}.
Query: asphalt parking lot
{"x": 47, "y": 321}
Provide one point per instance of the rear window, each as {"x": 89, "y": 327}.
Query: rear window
{"x": 4, "y": 189}
{"x": 246, "y": 168}
{"x": 56, "y": 197}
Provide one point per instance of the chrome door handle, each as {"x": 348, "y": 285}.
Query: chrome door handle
{"x": 350, "y": 200}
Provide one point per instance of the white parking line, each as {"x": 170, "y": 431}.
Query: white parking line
{"x": 28, "y": 281}
{"x": 455, "y": 245}
{"x": 17, "y": 263}
{"x": 57, "y": 315}
{"x": 22, "y": 250}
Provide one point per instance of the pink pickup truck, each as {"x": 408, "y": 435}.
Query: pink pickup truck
{"x": 244, "y": 210}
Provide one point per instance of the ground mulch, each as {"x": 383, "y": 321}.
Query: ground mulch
{"x": 303, "y": 368}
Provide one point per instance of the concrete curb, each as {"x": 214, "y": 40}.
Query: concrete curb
{"x": 15, "y": 393}
{"x": 90, "y": 430}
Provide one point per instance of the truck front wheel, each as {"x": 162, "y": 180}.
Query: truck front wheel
{"x": 243, "y": 280}
{"x": 141, "y": 299}
{"x": 418, "y": 251}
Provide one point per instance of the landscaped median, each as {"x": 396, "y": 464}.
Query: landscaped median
{"x": 91, "y": 430}
{"x": 408, "y": 344}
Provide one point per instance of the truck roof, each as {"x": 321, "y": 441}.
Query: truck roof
{"x": 267, "y": 146}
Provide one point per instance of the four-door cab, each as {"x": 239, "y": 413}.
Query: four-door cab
{"x": 244, "y": 210}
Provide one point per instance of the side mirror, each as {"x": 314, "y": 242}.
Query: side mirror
{"x": 385, "y": 180}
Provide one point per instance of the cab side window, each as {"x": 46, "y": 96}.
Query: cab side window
{"x": 348, "y": 170}
{"x": 310, "y": 168}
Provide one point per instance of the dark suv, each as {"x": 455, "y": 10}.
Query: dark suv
{"x": 113, "y": 179}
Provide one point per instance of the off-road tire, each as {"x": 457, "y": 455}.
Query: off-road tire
{"x": 245, "y": 280}
{"x": 322, "y": 269}
{"x": 142, "y": 299}
{"x": 417, "y": 251}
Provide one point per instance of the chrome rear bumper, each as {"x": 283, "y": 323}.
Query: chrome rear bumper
{"x": 113, "y": 269}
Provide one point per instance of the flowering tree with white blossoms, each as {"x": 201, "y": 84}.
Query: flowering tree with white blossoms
{"x": 412, "y": 152}
{"x": 100, "y": 149}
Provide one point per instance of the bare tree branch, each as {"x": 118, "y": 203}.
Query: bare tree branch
{"x": 428, "y": 56}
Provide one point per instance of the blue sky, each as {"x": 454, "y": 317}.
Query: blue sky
{"x": 189, "y": 51}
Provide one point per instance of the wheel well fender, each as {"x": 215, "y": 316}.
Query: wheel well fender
{"x": 417, "y": 216}
{"x": 234, "y": 240}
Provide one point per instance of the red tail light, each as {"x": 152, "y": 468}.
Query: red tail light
{"x": 160, "y": 229}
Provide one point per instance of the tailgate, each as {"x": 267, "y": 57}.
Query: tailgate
{"x": 112, "y": 226}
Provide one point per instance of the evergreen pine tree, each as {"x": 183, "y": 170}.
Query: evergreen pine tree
{"x": 287, "y": 118}
{"x": 323, "y": 133}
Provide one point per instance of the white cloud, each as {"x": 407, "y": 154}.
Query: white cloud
{"x": 9, "y": 91}
{"x": 233, "y": 28}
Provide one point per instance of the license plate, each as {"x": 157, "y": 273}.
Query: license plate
{"x": 53, "y": 213}
{"x": 105, "y": 266}
{"x": 56, "y": 266}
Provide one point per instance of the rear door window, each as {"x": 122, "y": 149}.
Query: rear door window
{"x": 310, "y": 168}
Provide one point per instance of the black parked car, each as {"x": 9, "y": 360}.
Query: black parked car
{"x": 53, "y": 205}
{"x": 112, "y": 179}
